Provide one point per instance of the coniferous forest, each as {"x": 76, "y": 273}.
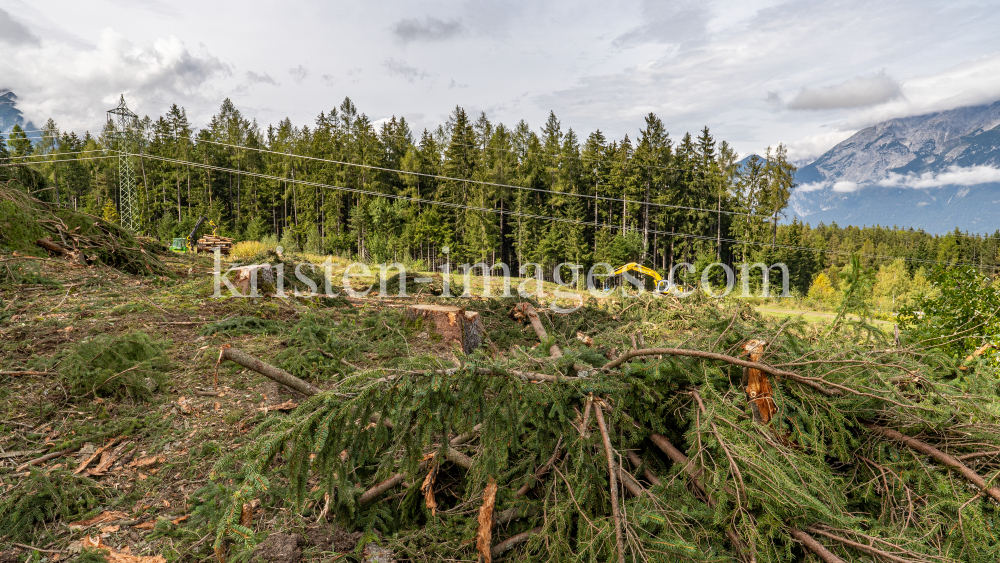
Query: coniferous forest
{"x": 485, "y": 191}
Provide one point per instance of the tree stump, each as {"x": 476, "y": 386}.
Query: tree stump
{"x": 454, "y": 324}
{"x": 264, "y": 279}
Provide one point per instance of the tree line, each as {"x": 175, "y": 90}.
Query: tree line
{"x": 485, "y": 191}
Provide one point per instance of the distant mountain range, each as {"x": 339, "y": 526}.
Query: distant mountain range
{"x": 933, "y": 172}
{"x": 11, "y": 116}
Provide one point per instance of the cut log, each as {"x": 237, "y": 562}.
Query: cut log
{"x": 454, "y": 324}
{"x": 267, "y": 370}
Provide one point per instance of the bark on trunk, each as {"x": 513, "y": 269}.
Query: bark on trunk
{"x": 454, "y": 324}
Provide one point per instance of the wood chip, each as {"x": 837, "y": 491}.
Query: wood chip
{"x": 147, "y": 461}
{"x": 102, "y": 518}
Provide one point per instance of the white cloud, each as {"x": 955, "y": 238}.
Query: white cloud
{"x": 970, "y": 83}
{"x": 811, "y": 147}
{"x": 952, "y": 176}
{"x": 666, "y": 22}
{"x": 858, "y": 92}
{"x": 75, "y": 86}
{"x": 13, "y": 32}
{"x": 812, "y": 187}
{"x": 845, "y": 187}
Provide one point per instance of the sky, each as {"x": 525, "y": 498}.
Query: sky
{"x": 756, "y": 72}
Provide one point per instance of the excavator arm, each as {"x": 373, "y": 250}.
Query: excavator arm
{"x": 660, "y": 283}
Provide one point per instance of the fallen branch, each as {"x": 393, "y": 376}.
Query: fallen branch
{"x": 525, "y": 311}
{"x": 374, "y": 492}
{"x": 539, "y": 473}
{"x": 814, "y": 546}
{"x": 943, "y": 458}
{"x": 27, "y": 372}
{"x": 870, "y": 550}
{"x": 46, "y": 457}
{"x": 38, "y": 549}
{"x": 267, "y": 370}
{"x": 458, "y": 458}
{"x": 598, "y": 413}
{"x": 512, "y": 542}
{"x": 723, "y": 358}
{"x": 638, "y": 463}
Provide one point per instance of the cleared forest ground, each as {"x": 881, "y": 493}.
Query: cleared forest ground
{"x": 663, "y": 430}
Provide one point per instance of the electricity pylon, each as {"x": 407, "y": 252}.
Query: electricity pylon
{"x": 126, "y": 129}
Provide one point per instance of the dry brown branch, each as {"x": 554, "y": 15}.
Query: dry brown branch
{"x": 814, "y": 546}
{"x": 943, "y": 458}
{"x": 722, "y": 444}
{"x": 512, "y": 542}
{"x": 377, "y": 490}
{"x": 374, "y": 492}
{"x": 540, "y": 472}
{"x": 977, "y": 454}
{"x": 650, "y": 476}
{"x": 869, "y": 549}
{"x": 599, "y": 415}
{"x": 27, "y": 372}
{"x": 679, "y": 458}
{"x": 525, "y": 311}
{"x": 808, "y": 381}
{"x": 46, "y": 457}
{"x": 682, "y": 460}
{"x": 251, "y": 363}
{"x": 458, "y": 458}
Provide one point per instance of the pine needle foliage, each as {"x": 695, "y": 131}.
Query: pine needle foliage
{"x": 46, "y": 496}
{"x": 129, "y": 366}
{"x": 817, "y": 467}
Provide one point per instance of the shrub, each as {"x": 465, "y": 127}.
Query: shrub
{"x": 248, "y": 250}
{"x": 131, "y": 365}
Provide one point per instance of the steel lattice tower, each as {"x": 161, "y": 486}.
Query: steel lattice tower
{"x": 126, "y": 127}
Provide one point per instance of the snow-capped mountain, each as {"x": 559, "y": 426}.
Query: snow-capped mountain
{"x": 933, "y": 172}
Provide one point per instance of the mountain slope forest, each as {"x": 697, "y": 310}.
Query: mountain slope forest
{"x": 486, "y": 192}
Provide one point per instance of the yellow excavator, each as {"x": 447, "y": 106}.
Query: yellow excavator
{"x": 661, "y": 286}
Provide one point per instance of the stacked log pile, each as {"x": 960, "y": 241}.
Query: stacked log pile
{"x": 209, "y": 243}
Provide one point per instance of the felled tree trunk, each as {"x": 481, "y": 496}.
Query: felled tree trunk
{"x": 74, "y": 256}
{"x": 454, "y": 324}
